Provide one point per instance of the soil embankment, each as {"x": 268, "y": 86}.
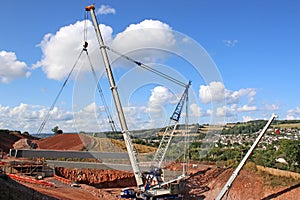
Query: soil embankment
{"x": 8, "y": 139}
{"x": 98, "y": 178}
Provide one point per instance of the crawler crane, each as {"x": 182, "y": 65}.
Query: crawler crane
{"x": 145, "y": 189}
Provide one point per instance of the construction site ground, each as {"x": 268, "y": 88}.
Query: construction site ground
{"x": 204, "y": 182}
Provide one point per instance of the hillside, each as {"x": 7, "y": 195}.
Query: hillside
{"x": 8, "y": 138}
{"x": 80, "y": 142}
{"x": 11, "y": 189}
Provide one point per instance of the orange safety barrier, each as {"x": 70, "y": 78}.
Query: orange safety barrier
{"x": 30, "y": 180}
{"x": 63, "y": 180}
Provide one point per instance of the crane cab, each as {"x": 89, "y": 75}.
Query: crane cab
{"x": 128, "y": 193}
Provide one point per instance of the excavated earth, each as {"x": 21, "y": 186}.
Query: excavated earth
{"x": 98, "y": 177}
{"x": 204, "y": 182}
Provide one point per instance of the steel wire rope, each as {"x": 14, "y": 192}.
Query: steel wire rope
{"x": 187, "y": 136}
{"x": 58, "y": 95}
{"x": 148, "y": 67}
{"x": 100, "y": 91}
{"x": 162, "y": 75}
{"x": 85, "y": 31}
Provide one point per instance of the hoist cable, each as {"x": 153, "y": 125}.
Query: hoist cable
{"x": 187, "y": 136}
{"x": 111, "y": 121}
{"x": 59, "y": 93}
{"x": 148, "y": 67}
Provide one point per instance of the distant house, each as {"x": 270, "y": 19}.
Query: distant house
{"x": 281, "y": 160}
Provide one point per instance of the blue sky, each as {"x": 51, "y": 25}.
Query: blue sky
{"x": 242, "y": 58}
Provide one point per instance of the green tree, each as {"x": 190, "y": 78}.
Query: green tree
{"x": 56, "y": 130}
{"x": 291, "y": 150}
{"x": 26, "y": 133}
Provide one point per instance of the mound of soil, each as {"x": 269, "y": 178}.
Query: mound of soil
{"x": 206, "y": 184}
{"x": 81, "y": 142}
{"x": 8, "y": 138}
{"x": 98, "y": 177}
{"x": 76, "y": 142}
{"x": 24, "y": 144}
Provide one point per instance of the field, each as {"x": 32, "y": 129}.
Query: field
{"x": 293, "y": 125}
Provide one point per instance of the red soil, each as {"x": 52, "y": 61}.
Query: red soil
{"x": 98, "y": 177}
{"x": 64, "y": 142}
{"x": 8, "y": 138}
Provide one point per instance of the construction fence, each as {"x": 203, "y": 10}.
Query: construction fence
{"x": 278, "y": 172}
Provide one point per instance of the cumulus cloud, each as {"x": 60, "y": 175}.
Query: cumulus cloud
{"x": 11, "y": 68}
{"x": 293, "y": 113}
{"x": 235, "y": 96}
{"x": 197, "y": 111}
{"x": 246, "y": 108}
{"x": 216, "y": 92}
{"x": 105, "y": 9}
{"x": 26, "y": 117}
{"x": 226, "y": 111}
{"x": 148, "y": 34}
{"x": 60, "y": 50}
{"x": 232, "y": 110}
{"x": 159, "y": 97}
{"x": 213, "y": 92}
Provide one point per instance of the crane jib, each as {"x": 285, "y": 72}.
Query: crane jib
{"x": 177, "y": 112}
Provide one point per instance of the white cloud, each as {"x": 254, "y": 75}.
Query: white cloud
{"x": 234, "y": 96}
{"x": 247, "y": 118}
{"x": 60, "y": 51}
{"x": 271, "y": 107}
{"x": 159, "y": 97}
{"x": 246, "y": 108}
{"x": 230, "y": 43}
{"x": 91, "y": 108}
{"x": 214, "y": 92}
{"x": 226, "y": 111}
{"x": 293, "y": 113}
{"x": 25, "y": 117}
{"x": 196, "y": 111}
{"x": 138, "y": 118}
{"x": 105, "y": 9}
{"x": 148, "y": 34}
{"x": 11, "y": 68}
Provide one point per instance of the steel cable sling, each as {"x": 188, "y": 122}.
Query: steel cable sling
{"x": 148, "y": 67}
{"x": 109, "y": 116}
{"x": 58, "y": 95}
{"x": 111, "y": 121}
